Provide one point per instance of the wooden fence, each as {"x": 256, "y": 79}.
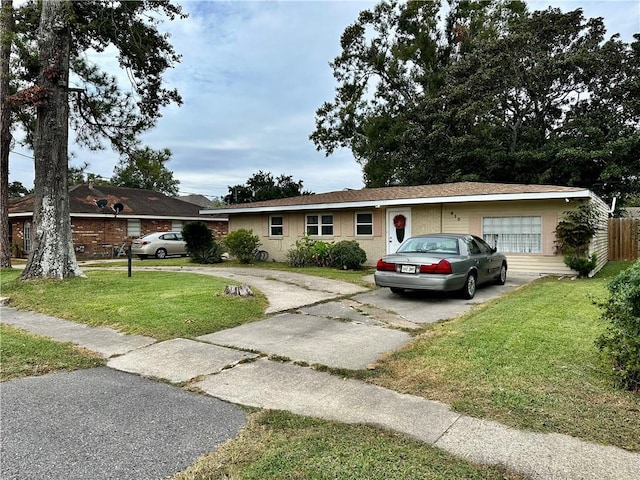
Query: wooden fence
{"x": 624, "y": 238}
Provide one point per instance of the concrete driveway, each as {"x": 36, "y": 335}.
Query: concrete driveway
{"x": 428, "y": 307}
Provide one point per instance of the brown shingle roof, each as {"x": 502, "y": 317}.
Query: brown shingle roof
{"x": 445, "y": 190}
{"x": 83, "y": 199}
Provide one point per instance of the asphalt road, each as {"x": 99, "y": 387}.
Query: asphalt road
{"x": 103, "y": 424}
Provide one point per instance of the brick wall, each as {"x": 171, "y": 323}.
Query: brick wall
{"x": 98, "y": 237}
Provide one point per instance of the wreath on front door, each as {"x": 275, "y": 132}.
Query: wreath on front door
{"x": 400, "y": 222}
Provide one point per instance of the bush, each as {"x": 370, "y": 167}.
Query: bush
{"x": 573, "y": 237}
{"x": 210, "y": 255}
{"x": 347, "y": 255}
{"x": 241, "y": 244}
{"x": 582, "y": 265}
{"x": 621, "y": 341}
{"x": 200, "y": 244}
{"x": 308, "y": 252}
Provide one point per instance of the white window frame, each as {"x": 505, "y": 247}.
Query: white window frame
{"x": 363, "y": 224}
{"x": 273, "y": 227}
{"x": 176, "y": 225}
{"x": 514, "y": 234}
{"x": 320, "y": 226}
{"x": 134, "y": 227}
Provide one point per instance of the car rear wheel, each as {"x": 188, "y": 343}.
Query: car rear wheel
{"x": 161, "y": 253}
{"x": 397, "y": 290}
{"x": 469, "y": 289}
{"x": 502, "y": 278}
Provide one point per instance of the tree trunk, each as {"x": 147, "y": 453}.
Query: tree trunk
{"x": 52, "y": 254}
{"x": 6, "y": 30}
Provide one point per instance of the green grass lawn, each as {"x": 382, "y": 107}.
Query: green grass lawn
{"x": 280, "y": 445}
{"x": 527, "y": 360}
{"x": 162, "y": 305}
{"x": 24, "y": 354}
{"x": 352, "y": 276}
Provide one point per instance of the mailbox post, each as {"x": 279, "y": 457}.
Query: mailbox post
{"x": 129, "y": 260}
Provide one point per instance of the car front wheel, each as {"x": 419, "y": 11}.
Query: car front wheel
{"x": 469, "y": 289}
{"x": 502, "y": 278}
{"x": 161, "y": 253}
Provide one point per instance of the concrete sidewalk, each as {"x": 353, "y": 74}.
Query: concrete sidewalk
{"x": 341, "y": 333}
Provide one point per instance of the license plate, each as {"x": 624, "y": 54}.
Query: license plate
{"x": 407, "y": 269}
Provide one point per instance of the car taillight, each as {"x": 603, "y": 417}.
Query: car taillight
{"x": 443, "y": 267}
{"x": 385, "y": 266}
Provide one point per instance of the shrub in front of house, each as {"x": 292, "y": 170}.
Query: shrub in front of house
{"x": 347, "y": 255}
{"x": 573, "y": 237}
{"x": 308, "y": 252}
{"x": 201, "y": 246}
{"x": 242, "y": 244}
{"x": 621, "y": 341}
{"x": 210, "y": 255}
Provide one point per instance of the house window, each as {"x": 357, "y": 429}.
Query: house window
{"x": 513, "y": 234}
{"x": 319, "y": 225}
{"x": 27, "y": 236}
{"x": 276, "y": 226}
{"x": 176, "y": 225}
{"x": 364, "y": 224}
{"x": 133, "y": 227}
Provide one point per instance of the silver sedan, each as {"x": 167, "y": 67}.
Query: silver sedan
{"x": 159, "y": 245}
{"x": 442, "y": 262}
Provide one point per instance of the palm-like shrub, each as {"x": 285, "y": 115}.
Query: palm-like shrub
{"x": 201, "y": 246}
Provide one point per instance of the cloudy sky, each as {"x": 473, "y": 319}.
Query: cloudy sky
{"x": 252, "y": 75}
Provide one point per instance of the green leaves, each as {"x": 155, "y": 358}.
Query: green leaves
{"x": 262, "y": 186}
{"x": 621, "y": 341}
{"x": 103, "y": 109}
{"x": 144, "y": 168}
{"x": 490, "y": 91}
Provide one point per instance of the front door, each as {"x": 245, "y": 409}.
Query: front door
{"x": 398, "y": 227}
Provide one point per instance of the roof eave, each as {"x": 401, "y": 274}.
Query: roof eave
{"x": 403, "y": 201}
{"x": 125, "y": 216}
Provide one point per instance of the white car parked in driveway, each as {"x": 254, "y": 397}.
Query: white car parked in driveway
{"x": 159, "y": 245}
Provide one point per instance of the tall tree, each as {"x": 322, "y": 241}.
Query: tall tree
{"x": 6, "y": 32}
{"x": 262, "y": 186}
{"x": 100, "y": 110}
{"x": 53, "y": 254}
{"x": 490, "y": 92}
{"x": 145, "y": 168}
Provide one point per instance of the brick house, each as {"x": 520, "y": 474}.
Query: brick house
{"x": 103, "y": 218}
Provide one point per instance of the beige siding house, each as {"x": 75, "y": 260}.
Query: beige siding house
{"x": 519, "y": 219}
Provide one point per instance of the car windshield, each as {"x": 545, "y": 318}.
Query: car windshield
{"x": 444, "y": 245}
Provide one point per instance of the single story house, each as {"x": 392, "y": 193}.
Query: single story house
{"x": 104, "y": 218}
{"x": 519, "y": 219}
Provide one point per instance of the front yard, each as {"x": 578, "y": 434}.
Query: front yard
{"x": 157, "y": 304}
{"x": 527, "y": 360}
